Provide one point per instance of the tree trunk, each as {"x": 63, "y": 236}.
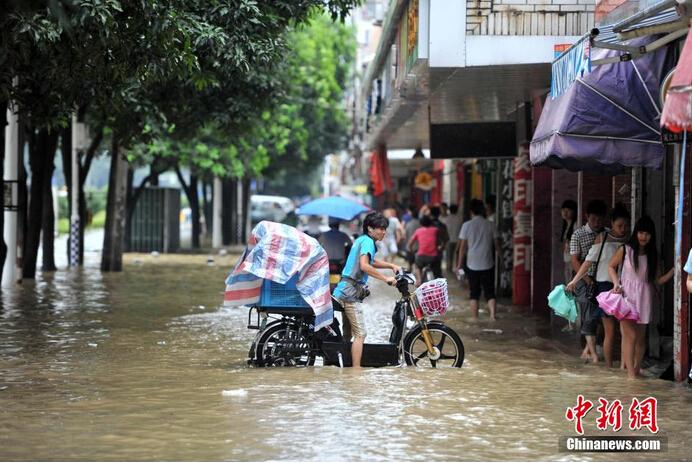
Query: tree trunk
{"x": 207, "y": 210}
{"x": 228, "y": 216}
{"x": 154, "y": 174}
{"x": 33, "y": 233}
{"x": 22, "y": 199}
{"x": 193, "y": 200}
{"x": 48, "y": 228}
{"x": 130, "y": 209}
{"x": 41, "y": 153}
{"x": 3, "y": 245}
{"x": 112, "y": 257}
{"x": 246, "y": 209}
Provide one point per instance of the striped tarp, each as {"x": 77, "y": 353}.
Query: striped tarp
{"x": 277, "y": 252}
{"x": 609, "y": 33}
{"x": 659, "y": 14}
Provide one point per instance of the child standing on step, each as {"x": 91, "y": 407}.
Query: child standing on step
{"x": 639, "y": 259}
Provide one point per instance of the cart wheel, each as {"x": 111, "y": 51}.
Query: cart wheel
{"x": 283, "y": 345}
{"x": 449, "y": 350}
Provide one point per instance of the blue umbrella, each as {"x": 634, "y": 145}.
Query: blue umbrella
{"x": 333, "y": 206}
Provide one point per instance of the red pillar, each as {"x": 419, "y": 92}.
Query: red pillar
{"x": 521, "y": 239}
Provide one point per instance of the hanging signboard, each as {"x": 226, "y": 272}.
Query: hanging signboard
{"x": 572, "y": 64}
{"x": 668, "y": 137}
{"x": 505, "y": 215}
{"x": 407, "y": 41}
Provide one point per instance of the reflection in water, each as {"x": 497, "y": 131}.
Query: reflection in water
{"x": 143, "y": 366}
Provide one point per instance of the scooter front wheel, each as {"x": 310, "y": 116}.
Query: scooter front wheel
{"x": 449, "y": 350}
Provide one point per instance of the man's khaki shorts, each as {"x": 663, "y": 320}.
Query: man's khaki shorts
{"x": 354, "y": 314}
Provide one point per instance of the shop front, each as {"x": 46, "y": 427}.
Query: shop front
{"x": 602, "y": 121}
{"x": 676, "y": 120}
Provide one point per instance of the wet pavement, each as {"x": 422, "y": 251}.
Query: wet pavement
{"x": 144, "y": 365}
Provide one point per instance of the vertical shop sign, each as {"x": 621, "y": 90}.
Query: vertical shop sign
{"x": 407, "y": 41}
{"x": 521, "y": 289}
{"x": 411, "y": 33}
{"x": 506, "y": 189}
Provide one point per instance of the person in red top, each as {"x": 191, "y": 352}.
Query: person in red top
{"x": 427, "y": 237}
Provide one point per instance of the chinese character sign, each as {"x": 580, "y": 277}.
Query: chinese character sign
{"x": 505, "y": 218}
{"x": 522, "y": 229}
{"x": 641, "y": 414}
{"x": 578, "y": 412}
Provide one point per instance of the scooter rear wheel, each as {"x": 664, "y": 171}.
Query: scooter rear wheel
{"x": 445, "y": 340}
{"x": 282, "y": 345}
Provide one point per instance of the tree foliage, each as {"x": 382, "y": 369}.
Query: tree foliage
{"x": 207, "y": 84}
{"x": 283, "y": 135}
{"x": 138, "y": 62}
{"x": 318, "y": 70}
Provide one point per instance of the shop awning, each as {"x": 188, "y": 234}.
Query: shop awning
{"x": 668, "y": 19}
{"x": 677, "y": 110}
{"x": 607, "y": 119}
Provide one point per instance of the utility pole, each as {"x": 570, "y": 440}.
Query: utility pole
{"x": 11, "y": 273}
{"x": 216, "y": 236}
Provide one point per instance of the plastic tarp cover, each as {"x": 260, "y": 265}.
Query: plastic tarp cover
{"x": 608, "y": 119}
{"x": 277, "y": 252}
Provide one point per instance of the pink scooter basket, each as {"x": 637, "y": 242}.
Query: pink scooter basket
{"x": 433, "y": 297}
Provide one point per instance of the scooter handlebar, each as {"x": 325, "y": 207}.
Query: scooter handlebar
{"x": 406, "y": 277}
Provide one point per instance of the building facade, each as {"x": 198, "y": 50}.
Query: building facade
{"x": 473, "y": 96}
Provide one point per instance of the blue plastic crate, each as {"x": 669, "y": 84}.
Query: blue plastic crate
{"x": 278, "y": 295}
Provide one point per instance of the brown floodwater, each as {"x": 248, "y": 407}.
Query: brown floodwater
{"x": 144, "y": 365}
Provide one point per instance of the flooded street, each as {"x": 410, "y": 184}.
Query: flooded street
{"x": 143, "y": 365}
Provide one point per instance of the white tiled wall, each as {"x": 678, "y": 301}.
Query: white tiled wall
{"x": 529, "y": 17}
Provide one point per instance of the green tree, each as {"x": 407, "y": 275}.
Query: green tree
{"x": 134, "y": 64}
{"x": 280, "y": 137}
{"x": 318, "y": 70}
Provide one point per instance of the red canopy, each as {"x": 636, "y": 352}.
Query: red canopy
{"x": 379, "y": 171}
{"x": 677, "y": 110}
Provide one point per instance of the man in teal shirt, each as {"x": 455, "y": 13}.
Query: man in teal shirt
{"x": 352, "y": 288}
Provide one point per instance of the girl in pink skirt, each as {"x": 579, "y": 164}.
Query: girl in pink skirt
{"x": 639, "y": 260}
